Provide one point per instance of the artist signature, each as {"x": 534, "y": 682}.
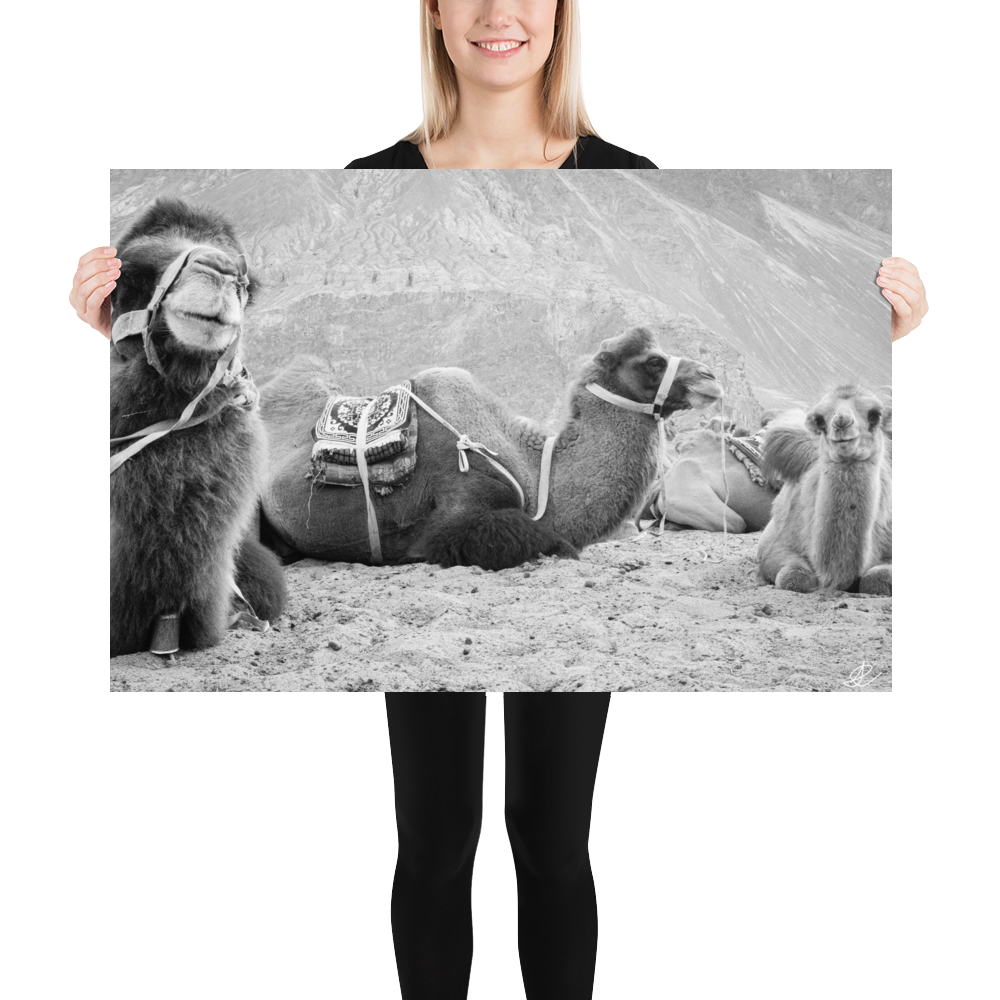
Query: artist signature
{"x": 863, "y": 675}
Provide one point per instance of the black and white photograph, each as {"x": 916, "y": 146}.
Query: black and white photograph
{"x": 386, "y": 430}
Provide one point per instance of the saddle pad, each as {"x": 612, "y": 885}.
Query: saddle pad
{"x": 749, "y": 451}
{"x": 390, "y": 442}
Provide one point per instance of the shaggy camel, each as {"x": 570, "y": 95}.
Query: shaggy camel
{"x": 695, "y": 489}
{"x": 831, "y": 524}
{"x": 604, "y": 458}
{"x": 181, "y": 505}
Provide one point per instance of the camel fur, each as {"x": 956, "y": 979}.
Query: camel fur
{"x": 181, "y": 507}
{"x": 603, "y": 463}
{"x": 831, "y": 524}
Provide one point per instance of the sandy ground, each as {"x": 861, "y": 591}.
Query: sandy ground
{"x": 681, "y": 612}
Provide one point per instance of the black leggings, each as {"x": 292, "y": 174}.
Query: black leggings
{"x": 553, "y": 743}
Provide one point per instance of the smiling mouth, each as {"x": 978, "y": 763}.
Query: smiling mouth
{"x": 508, "y": 45}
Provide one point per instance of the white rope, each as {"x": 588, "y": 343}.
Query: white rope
{"x": 543, "y": 478}
{"x": 464, "y": 445}
{"x": 373, "y": 538}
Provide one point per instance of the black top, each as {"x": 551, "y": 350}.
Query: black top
{"x": 591, "y": 153}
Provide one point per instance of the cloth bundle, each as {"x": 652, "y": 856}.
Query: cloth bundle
{"x": 390, "y": 443}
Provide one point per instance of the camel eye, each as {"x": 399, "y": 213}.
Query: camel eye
{"x": 656, "y": 364}
{"x": 874, "y": 416}
{"x": 818, "y": 422}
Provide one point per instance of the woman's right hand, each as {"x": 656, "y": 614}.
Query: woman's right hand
{"x": 92, "y": 284}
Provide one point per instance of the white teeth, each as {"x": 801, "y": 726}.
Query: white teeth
{"x": 498, "y": 46}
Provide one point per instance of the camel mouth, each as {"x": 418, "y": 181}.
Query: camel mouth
{"x": 704, "y": 392}
{"x": 210, "y": 321}
{"x": 707, "y": 388}
{"x": 202, "y": 331}
{"x": 849, "y": 449}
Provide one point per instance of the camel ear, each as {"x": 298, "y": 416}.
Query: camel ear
{"x": 887, "y": 420}
{"x": 607, "y": 360}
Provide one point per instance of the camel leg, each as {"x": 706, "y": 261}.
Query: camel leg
{"x": 877, "y": 580}
{"x": 132, "y": 617}
{"x": 482, "y": 526}
{"x": 691, "y": 500}
{"x": 270, "y": 539}
{"x": 260, "y": 578}
{"x": 783, "y": 567}
{"x": 797, "y": 575}
{"x": 206, "y": 618}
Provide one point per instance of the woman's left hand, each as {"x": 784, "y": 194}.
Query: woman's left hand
{"x": 902, "y": 286}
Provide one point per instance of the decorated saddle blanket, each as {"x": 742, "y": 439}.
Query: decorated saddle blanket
{"x": 390, "y": 442}
{"x": 749, "y": 451}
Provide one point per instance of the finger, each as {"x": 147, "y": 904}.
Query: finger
{"x": 92, "y": 275}
{"x": 86, "y": 288}
{"x": 98, "y": 253}
{"x": 901, "y": 263}
{"x": 899, "y": 304}
{"x": 900, "y": 281}
{"x": 94, "y": 301}
{"x": 106, "y": 267}
{"x": 911, "y": 294}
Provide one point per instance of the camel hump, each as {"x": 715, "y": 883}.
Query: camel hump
{"x": 299, "y": 383}
{"x": 453, "y": 388}
{"x": 790, "y": 449}
{"x": 443, "y": 378}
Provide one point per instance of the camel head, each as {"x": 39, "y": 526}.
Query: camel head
{"x": 202, "y": 312}
{"x": 850, "y": 423}
{"x": 633, "y": 365}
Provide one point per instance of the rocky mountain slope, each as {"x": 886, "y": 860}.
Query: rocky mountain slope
{"x": 768, "y": 276}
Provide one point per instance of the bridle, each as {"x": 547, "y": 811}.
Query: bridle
{"x": 654, "y": 409}
{"x": 229, "y": 368}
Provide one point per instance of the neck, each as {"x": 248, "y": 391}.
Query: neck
{"x": 498, "y": 129}
{"x": 848, "y": 500}
{"x": 604, "y": 461}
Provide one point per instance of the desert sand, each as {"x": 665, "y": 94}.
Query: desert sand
{"x": 677, "y": 612}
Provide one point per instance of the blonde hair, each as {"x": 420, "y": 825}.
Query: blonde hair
{"x": 563, "y": 113}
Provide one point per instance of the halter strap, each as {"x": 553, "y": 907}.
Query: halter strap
{"x": 654, "y": 409}
{"x": 140, "y": 321}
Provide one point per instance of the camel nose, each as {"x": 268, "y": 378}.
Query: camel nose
{"x": 844, "y": 426}
{"x": 214, "y": 262}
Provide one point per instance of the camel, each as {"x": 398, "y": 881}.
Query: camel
{"x": 182, "y": 504}
{"x": 831, "y": 524}
{"x": 604, "y": 458}
{"x": 700, "y": 492}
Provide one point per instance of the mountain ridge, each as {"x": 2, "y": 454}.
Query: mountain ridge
{"x": 513, "y": 274}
